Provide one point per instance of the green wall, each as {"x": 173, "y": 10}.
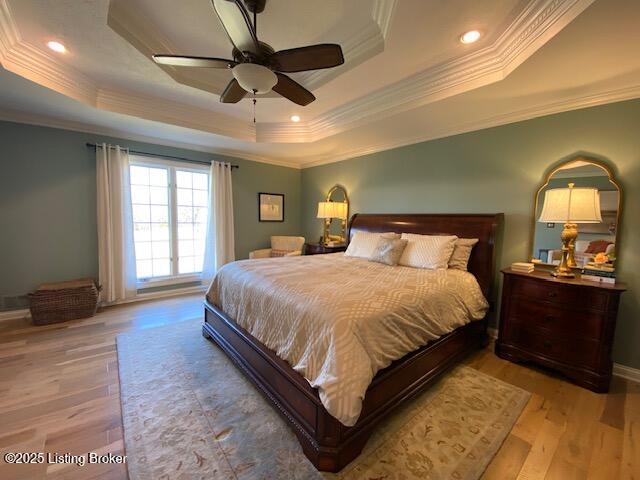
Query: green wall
{"x": 48, "y": 205}
{"x": 499, "y": 170}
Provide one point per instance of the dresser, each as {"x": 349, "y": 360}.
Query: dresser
{"x": 319, "y": 248}
{"x": 566, "y": 325}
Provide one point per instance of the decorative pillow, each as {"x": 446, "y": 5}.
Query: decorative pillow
{"x": 427, "y": 251}
{"x": 461, "y": 253}
{"x": 363, "y": 244}
{"x": 280, "y": 253}
{"x": 598, "y": 246}
{"x": 388, "y": 250}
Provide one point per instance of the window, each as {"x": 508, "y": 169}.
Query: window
{"x": 169, "y": 202}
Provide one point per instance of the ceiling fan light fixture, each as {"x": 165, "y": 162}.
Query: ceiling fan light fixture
{"x": 254, "y": 78}
{"x": 470, "y": 37}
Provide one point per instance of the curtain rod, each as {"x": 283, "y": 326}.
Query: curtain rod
{"x": 182, "y": 159}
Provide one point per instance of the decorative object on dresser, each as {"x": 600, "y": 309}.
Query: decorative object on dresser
{"x": 62, "y": 301}
{"x": 270, "y": 207}
{"x": 524, "y": 267}
{"x": 281, "y": 246}
{"x": 329, "y": 444}
{"x": 320, "y": 248}
{"x": 564, "y": 324}
{"x": 333, "y": 208}
{"x": 588, "y": 176}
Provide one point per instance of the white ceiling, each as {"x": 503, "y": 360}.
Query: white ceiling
{"x": 406, "y": 78}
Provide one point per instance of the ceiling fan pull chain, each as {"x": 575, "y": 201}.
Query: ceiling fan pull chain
{"x": 254, "y": 106}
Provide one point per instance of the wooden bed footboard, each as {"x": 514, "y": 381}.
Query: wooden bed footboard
{"x": 327, "y": 443}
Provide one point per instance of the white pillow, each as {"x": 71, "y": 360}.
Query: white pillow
{"x": 363, "y": 244}
{"x": 427, "y": 251}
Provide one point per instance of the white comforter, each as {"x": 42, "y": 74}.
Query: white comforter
{"x": 338, "y": 320}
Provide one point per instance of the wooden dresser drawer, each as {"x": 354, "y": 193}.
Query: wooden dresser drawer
{"x": 583, "y": 297}
{"x": 574, "y": 351}
{"x": 561, "y": 320}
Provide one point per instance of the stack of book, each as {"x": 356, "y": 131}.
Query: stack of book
{"x": 599, "y": 272}
{"x": 522, "y": 267}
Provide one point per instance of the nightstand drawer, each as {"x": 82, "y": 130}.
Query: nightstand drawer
{"x": 561, "y": 320}
{"x": 582, "y": 297}
{"x": 539, "y": 342}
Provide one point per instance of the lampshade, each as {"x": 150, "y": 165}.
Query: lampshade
{"x": 253, "y": 77}
{"x": 571, "y": 205}
{"x": 332, "y": 210}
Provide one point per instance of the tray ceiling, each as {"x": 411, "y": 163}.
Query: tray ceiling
{"x": 401, "y": 57}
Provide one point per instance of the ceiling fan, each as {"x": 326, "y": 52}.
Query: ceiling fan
{"x": 256, "y": 67}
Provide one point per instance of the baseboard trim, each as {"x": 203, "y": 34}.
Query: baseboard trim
{"x": 622, "y": 371}
{"x": 628, "y": 373}
{"x": 174, "y": 292}
{"x": 15, "y": 314}
{"x": 141, "y": 297}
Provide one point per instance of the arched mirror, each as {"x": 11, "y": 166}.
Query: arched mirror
{"x": 577, "y": 209}
{"x": 335, "y": 207}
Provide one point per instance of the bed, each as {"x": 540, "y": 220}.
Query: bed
{"x": 328, "y": 432}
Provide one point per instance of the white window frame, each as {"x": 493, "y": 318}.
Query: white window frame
{"x": 171, "y": 166}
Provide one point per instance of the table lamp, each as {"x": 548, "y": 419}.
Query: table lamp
{"x": 328, "y": 211}
{"x": 570, "y": 206}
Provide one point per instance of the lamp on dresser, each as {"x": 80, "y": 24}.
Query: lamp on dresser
{"x": 570, "y": 206}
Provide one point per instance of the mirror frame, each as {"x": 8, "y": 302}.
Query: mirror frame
{"x": 607, "y": 168}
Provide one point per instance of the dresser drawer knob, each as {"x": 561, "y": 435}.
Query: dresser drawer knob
{"x": 548, "y": 318}
{"x": 546, "y": 344}
{"x": 553, "y": 294}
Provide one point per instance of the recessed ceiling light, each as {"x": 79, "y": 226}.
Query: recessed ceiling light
{"x": 56, "y": 46}
{"x": 295, "y": 118}
{"x": 470, "y": 36}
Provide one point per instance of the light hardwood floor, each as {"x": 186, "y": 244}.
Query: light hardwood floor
{"x": 59, "y": 392}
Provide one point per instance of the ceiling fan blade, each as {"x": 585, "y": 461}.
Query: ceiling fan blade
{"x": 313, "y": 57}
{"x": 233, "y": 93}
{"x": 293, "y": 90}
{"x": 237, "y": 23}
{"x": 182, "y": 61}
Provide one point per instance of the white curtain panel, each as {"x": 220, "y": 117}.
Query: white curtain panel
{"x": 219, "y": 248}
{"x": 116, "y": 254}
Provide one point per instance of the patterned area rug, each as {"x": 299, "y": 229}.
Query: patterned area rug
{"x": 190, "y": 414}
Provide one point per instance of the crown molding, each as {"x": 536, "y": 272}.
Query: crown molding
{"x": 536, "y": 25}
{"x": 36, "y": 65}
{"x": 52, "y": 122}
{"x": 383, "y": 14}
{"x": 174, "y": 113}
{"x": 567, "y": 104}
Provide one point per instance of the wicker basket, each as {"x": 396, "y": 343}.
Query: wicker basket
{"x": 58, "y": 302}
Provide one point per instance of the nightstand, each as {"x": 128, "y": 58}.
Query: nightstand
{"x": 318, "y": 248}
{"x": 563, "y": 324}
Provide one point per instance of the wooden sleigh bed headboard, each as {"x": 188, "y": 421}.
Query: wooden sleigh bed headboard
{"x": 484, "y": 227}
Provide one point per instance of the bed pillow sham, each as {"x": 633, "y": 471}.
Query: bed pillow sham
{"x": 427, "y": 251}
{"x": 461, "y": 253}
{"x": 363, "y": 244}
{"x": 388, "y": 251}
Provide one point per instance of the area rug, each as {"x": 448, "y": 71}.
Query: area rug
{"x": 188, "y": 413}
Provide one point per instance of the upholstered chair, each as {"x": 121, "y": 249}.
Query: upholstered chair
{"x": 281, "y": 246}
